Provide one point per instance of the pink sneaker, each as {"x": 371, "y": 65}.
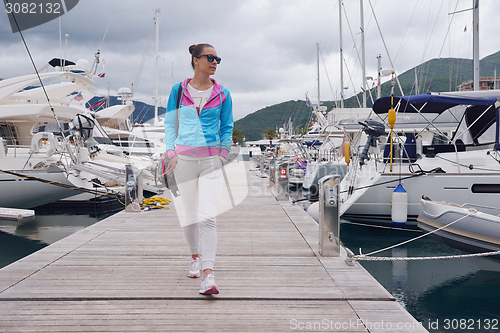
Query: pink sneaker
{"x": 208, "y": 286}
{"x": 194, "y": 269}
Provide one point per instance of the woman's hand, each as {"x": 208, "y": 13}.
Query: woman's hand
{"x": 173, "y": 162}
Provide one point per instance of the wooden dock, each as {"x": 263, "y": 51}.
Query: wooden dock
{"x": 128, "y": 273}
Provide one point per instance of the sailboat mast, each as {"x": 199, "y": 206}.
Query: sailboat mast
{"x": 363, "y": 66}
{"x": 317, "y": 61}
{"x": 156, "y": 64}
{"x": 475, "y": 23}
{"x": 379, "y": 68}
{"x": 341, "y": 58}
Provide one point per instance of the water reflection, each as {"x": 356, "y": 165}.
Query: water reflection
{"x": 473, "y": 297}
{"x": 19, "y": 239}
{"x": 13, "y": 248}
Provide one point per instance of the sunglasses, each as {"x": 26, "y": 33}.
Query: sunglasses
{"x": 210, "y": 58}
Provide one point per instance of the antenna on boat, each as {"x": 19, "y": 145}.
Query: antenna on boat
{"x": 317, "y": 64}
{"x": 60, "y": 41}
{"x": 65, "y": 47}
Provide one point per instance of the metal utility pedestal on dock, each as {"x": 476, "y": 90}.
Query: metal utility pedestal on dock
{"x": 282, "y": 181}
{"x": 133, "y": 188}
{"x": 329, "y": 219}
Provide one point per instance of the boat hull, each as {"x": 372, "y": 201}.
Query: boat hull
{"x": 314, "y": 172}
{"x": 374, "y": 205}
{"x": 473, "y": 231}
{"x": 27, "y": 192}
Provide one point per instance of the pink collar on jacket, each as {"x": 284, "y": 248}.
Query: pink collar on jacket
{"x": 217, "y": 87}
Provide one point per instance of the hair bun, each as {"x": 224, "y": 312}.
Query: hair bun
{"x": 191, "y": 48}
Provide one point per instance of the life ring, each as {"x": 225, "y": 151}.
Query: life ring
{"x": 49, "y": 140}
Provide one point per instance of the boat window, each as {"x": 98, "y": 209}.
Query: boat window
{"x": 476, "y": 127}
{"x": 131, "y": 141}
{"x": 54, "y": 128}
{"x": 488, "y": 136}
{"x": 100, "y": 135}
{"x": 440, "y": 139}
{"x": 463, "y": 134}
{"x": 485, "y": 188}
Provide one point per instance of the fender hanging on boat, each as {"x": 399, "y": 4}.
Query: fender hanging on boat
{"x": 399, "y": 206}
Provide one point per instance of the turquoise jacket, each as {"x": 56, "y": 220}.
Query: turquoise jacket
{"x": 208, "y": 134}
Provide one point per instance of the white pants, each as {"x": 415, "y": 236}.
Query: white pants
{"x": 200, "y": 182}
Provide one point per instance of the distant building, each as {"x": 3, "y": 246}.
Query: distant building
{"x": 485, "y": 83}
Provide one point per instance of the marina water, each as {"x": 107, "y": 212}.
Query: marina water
{"x": 444, "y": 295}
{"x": 19, "y": 239}
{"x": 449, "y": 295}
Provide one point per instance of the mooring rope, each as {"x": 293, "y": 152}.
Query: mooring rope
{"x": 367, "y": 257}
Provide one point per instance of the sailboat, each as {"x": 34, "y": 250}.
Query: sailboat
{"x": 330, "y": 156}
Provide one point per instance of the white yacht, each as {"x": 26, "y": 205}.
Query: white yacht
{"x": 28, "y": 161}
{"x": 47, "y": 149}
{"x": 462, "y": 165}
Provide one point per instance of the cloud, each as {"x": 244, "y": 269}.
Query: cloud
{"x": 268, "y": 48}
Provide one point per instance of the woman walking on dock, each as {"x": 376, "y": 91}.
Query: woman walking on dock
{"x": 198, "y": 138}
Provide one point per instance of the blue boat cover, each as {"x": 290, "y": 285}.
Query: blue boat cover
{"x": 313, "y": 143}
{"x": 435, "y": 103}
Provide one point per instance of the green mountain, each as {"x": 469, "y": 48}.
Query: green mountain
{"x": 436, "y": 75}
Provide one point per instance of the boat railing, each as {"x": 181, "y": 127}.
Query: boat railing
{"x": 479, "y": 206}
{"x": 330, "y": 156}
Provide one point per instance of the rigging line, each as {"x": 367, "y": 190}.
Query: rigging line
{"x": 105, "y": 32}
{"x": 143, "y": 60}
{"x": 447, "y": 31}
{"x": 350, "y": 79}
{"x": 405, "y": 33}
{"x": 357, "y": 52}
{"x": 386, "y": 182}
{"x": 385, "y": 46}
{"x": 56, "y": 183}
{"x": 444, "y": 42}
{"x": 327, "y": 76}
{"x": 426, "y": 47}
{"x": 466, "y": 166}
{"x": 73, "y": 158}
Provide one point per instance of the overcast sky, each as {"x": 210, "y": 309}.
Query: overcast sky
{"x": 268, "y": 47}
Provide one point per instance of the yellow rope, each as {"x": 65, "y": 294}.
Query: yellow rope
{"x": 155, "y": 203}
